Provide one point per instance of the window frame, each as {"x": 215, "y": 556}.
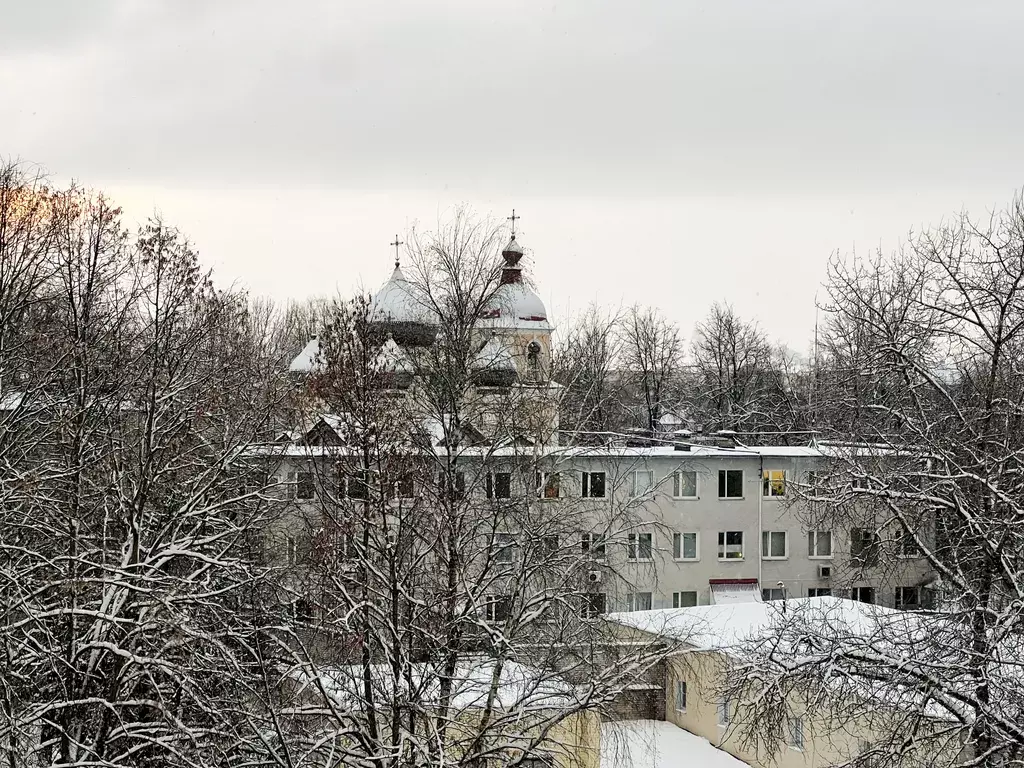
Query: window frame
{"x": 549, "y": 485}
{"x": 650, "y": 489}
{"x": 593, "y": 604}
{"x": 901, "y": 604}
{"x": 677, "y": 484}
{"x": 723, "y": 484}
{"x": 768, "y": 487}
{"x": 770, "y": 592}
{"x": 819, "y": 592}
{"x": 867, "y": 552}
{"x": 587, "y": 484}
{"x": 723, "y": 545}
{"x": 813, "y": 539}
{"x": 491, "y": 604}
{"x": 766, "y": 543}
{"x": 305, "y": 485}
{"x": 634, "y": 547}
{"x": 677, "y": 598}
{"x": 680, "y": 695}
{"x": 678, "y": 552}
{"x": 723, "y": 712}
{"x": 856, "y": 591}
{"x": 593, "y": 545}
{"x": 503, "y": 548}
{"x": 632, "y": 599}
{"x": 902, "y": 551}
{"x": 491, "y": 485}
{"x": 795, "y": 736}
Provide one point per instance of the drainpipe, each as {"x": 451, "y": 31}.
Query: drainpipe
{"x": 760, "y": 520}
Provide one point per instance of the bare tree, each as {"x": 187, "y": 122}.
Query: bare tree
{"x": 129, "y": 558}
{"x": 446, "y": 557}
{"x": 922, "y": 391}
{"x": 586, "y": 362}
{"x": 738, "y": 379}
{"x": 651, "y": 355}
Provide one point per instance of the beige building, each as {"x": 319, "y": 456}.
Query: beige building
{"x": 700, "y": 685}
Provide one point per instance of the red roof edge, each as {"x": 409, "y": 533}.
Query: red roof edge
{"x": 732, "y": 581}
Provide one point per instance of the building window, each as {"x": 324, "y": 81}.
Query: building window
{"x": 819, "y": 592}
{"x": 355, "y": 486}
{"x": 730, "y": 483}
{"x": 592, "y": 544}
{"x": 863, "y": 594}
{"x": 860, "y": 483}
{"x": 730, "y": 545}
{"x": 684, "y": 484}
{"x": 908, "y": 598}
{"x": 680, "y": 695}
{"x": 593, "y": 485}
{"x": 863, "y": 547}
{"x": 908, "y": 546}
{"x": 643, "y": 482}
{"x": 498, "y": 485}
{"x": 724, "y": 711}
{"x": 773, "y": 483}
{"x": 684, "y": 545}
{"x": 457, "y": 491}
{"x": 548, "y": 485}
{"x": 292, "y": 550}
{"x": 774, "y": 545}
{"x": 773, "y": 593}
{"x": 302, "y": 610}
{"x": 638, "y": 601}
{"x": 549, "y": 545}
{"x": 593, "y": 604}
{"x": 796, "y": 732}
{"x": 503, "y": 550}
{"x": 405, "y": 487}
{"x": 304, "y": 487}
{"x": 639, "y": 547}
{"x": 819, "y": 544}
{"x": 684, "y": 599}
{"x": 496, "y": 607}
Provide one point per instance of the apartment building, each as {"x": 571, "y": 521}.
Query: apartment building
{"x": 683, "y": 521}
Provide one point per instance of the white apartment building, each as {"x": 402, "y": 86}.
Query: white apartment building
{"x": 682, "y": 523}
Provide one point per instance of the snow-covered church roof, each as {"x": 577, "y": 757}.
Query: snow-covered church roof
{"x": 308, "y": 359}
{"x": 514, "y": 304}
{"x": 399, "y": 301}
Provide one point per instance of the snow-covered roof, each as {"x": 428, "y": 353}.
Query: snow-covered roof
{"x": 399, "y": 301}
{"x": 308, "y": 359}
{"x": 494, "y": 355}
{"x": 659, "y": 744}
{"x": 394, "y": 358}
{"x": 519, "y": 686}
{"x": 515, "y": 305}
{"x": 630, "y": 453}
{"x": 730, "y": 626}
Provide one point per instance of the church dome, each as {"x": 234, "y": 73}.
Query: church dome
{"x": 398, "y": 309}
{"x": 514, "y": 304}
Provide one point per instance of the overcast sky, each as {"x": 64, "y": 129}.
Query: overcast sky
{"x": 671, "y": 152}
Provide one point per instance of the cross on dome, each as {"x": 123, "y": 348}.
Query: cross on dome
{"x": 513, "y": 218}
{"x": 398, "y": 243}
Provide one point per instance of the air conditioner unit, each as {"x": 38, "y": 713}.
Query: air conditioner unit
{"x": 824, "y": 571}
{"x": 594, "y": 577}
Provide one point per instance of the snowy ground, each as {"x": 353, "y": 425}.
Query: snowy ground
{"x": 657, "y": 744}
